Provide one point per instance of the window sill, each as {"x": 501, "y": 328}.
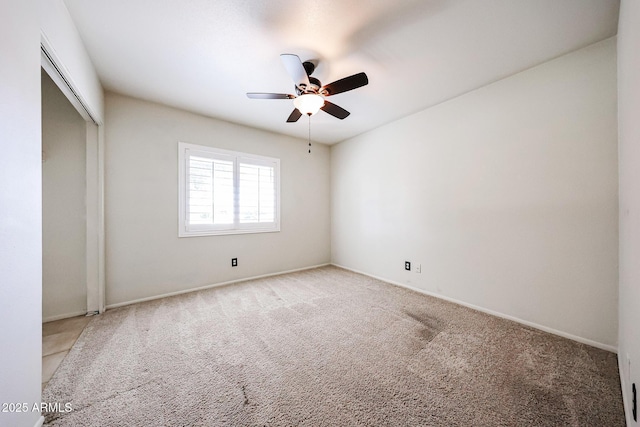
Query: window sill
{"x": 204, "y": 233}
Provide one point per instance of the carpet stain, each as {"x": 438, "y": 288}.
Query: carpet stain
{"x": 430, "y": 326}
{"x": 244, "y": 393}
{"x": 429, "y": 321}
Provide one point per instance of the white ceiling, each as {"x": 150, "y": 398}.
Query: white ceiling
{"x": 204, "y": 55}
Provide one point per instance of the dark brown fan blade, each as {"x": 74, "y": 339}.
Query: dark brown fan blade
{"x": 296, "y": 70}
{"x": 255, "y": 95}
{"x": 344, "y": 85}
{"x": 294, "y": 116}
{"x": 334, "y": 110}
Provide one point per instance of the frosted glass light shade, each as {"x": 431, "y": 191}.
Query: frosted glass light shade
{"x": 308, "y": 103}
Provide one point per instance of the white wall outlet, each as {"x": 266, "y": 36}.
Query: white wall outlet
{"x": 419, "y": 268}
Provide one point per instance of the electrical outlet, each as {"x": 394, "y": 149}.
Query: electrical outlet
{"x": 407, "y": 265}
{"x": 419, "y": 268}
{"x": 234, "y": 262}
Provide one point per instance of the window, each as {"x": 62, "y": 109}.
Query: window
{"x": 226, "y": 192}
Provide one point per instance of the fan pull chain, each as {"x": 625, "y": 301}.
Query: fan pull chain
{"x": 309, "y": 133}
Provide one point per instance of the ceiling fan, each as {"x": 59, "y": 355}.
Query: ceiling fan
{"x": 310, "y": 94}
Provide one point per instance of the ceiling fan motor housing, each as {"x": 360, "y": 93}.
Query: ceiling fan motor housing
{"x": 314, "y": 87}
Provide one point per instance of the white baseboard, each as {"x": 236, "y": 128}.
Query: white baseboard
{"x": 40, "y": 422}
{"x": 579, "y": 339}
{"x": 214, "y": 285}
{"x": 63, "y": 316}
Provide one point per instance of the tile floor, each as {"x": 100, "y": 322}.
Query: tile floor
{"x": 57, "y": 339}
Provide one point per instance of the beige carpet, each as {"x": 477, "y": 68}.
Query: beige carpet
{"x": 326, "y": 347}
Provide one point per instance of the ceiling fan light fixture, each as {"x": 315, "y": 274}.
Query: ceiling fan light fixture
{"x": 308, "y": 103}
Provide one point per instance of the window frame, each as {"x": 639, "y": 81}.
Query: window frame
{"x": 185, "y": 151}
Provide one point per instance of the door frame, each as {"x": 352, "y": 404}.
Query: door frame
{"x": 94, "y": 196}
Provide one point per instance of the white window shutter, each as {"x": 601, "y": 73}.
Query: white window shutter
{"x": 226, "y": 192}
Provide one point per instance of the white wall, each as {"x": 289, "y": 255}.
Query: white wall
{"x": 64, "y": 288}
{"x": 144, "y": 255}
{"x": 20, "y": 210}
{"x": 629, "y": 164}
{"x": 507, "y": 197}
{"x": 61, "y": 38}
